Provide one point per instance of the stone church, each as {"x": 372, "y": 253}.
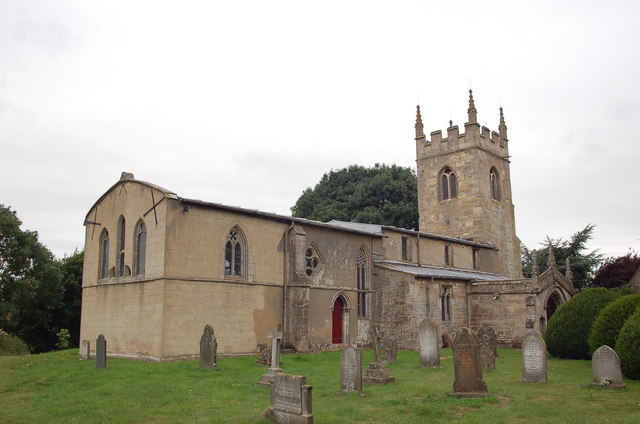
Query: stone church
{"x": 159, "y": 266}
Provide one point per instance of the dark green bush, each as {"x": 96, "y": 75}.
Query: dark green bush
{"x": 11, "y": 345}
{"x": 610, "y": 320}
{"x": 628, "y": 347}
{"x": 568, "y": 330}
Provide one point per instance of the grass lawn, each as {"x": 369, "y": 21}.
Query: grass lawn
{"x": 58, "y": 388}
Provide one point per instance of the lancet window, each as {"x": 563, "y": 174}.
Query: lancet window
{"x": 363, "y": 283}
{"x": 235, "y": 254}
{"x": 495, "y": 184}
{"x": 140, "y": 248}
{"x": 445, "y": 303}
{"x": 121, "y": 236}
{"x": 104, "y": 254}
{"x": 448, "y": 184}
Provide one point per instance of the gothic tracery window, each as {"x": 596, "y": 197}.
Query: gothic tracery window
{"x": 363, "y": 284}
{"x": 495, "y": 184}
{"x": 104, "y": 254}
{"x": 312, "y": 262}
{"x": 140, "y": 248}
{"x": 448, "y": 184}
{"x": 445, "y": 303}
{"x": 235, "y": 253}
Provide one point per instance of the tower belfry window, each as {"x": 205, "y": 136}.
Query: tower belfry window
{"x": 495, "y": 184}
{"x": 448, "y": 184}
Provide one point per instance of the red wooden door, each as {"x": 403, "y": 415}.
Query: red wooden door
{"x": 336, "y": 333}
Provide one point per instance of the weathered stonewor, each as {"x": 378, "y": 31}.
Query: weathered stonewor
{"x": 290, "y": 399}
{"x": 488, "y": 350}
{"x": 534, "y": 358}
{"x": 466, "y": 363}
{"x": 351, "y": 369}
{"x": 101, "y": 352}
{"x": 605, "y": 366}
{"x": 264, "y": 354}
{"x": 85, "y": 350}
{"x": 389, "y": 350}
{"x": 377, "y": 373}
{"x": 268, "y": 378}
{"x": 428, "y": 343}
{"x": 208, "y": 348}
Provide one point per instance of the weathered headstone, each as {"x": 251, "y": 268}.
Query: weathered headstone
{"x": 268, "y": 378}
{"x": 428, "y": 343}
{"x": 389, "y": 350}
{"x": 377, "y": 373}
{"x": 488, "y": 351}
{"x": 85, "y": 346}
{"x": 290, "y": 400}
{"x": 264, "y": 354}
{"x": 466, "y": 363}
{"x": 208, "y": 348}
{"x": 605, "y": 365}
{"x": 351, "y": 369}
{"x": 101, "y": 352}
{"x": 534, "y": 358}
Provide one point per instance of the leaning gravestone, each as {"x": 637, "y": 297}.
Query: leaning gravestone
{"x": 85, "y": 346}
{"x": 290, "y": 400}
{"x": 488, "y": 351}
{"x": 466, "y": 363}
{"x": 208, "y": 348}
{"x": 428, "y": 343}
{"x": 101, "y": 352}
{"x": 377, "y": 373}
{"x": 605, "y": 366}
{"x": 268, "y": 378}
{"x": 351, "y": 369}
{"x": 534, "y": 359}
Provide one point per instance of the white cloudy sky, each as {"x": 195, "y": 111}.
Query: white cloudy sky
{"x": 249, "y": 102}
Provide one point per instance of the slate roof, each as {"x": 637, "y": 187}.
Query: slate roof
{"x": 437, "y": 272}
{"x": 379, "y": 229}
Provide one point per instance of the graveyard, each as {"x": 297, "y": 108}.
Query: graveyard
{"x": 57, "y": 387}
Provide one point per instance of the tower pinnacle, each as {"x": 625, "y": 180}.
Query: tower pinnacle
{"x": 419, "y": 126}
{"x": 472, "y": 112}
{"x": 502, "y": 127}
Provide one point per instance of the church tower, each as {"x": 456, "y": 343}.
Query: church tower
{"x": 464, "y": 186}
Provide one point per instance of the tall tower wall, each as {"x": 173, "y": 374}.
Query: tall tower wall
{"x": 457, "y": 194}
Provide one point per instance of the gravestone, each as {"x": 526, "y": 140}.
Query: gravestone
{"x": 264, "y": 354}
{"x": 534, "y": 359}
{"x": 208, "y": 348}
{"x": 488, "y": 351}
{"x": 605, "y": 366}
{"x": 351, "y": 369}
{"x": 466, "y": 364}
{"x": 428, "y": 343}
{"x": 290, "y": 399}
{"x": 268, "y": 378}
{"x": 377, "y": 373}
{"x": 85, "y": 346}
{"x": 101, "y": 352}
{"x": 389, "y": 350}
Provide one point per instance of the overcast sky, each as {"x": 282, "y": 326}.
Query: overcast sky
{"x": 248, "y": 103}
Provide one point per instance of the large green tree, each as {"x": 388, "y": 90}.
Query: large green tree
{"x": 33, "y": 286}
{"x": 583, "y": 264}
{"x": 382, "y": 194}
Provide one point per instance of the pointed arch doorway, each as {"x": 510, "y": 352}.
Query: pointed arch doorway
{"x": 337, "y": 319}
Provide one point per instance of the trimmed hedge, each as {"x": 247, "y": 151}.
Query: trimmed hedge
{"x": 628, "y": 347}
{"x": 11, "y": 345}
{"x": 609, "y": 322}
{"x": 568, "y": 330}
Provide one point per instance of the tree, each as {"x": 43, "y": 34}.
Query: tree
{"x": 30, "y": 289}
{"x": 382, "y": 194}
{"x": 615, "y": 272}
{"x": 68, "y": 315}
{"x": 582, "y": 264}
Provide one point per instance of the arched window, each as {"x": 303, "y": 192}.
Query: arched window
{"x": 445, "y": 303}
{"x": 363, "y": 283}
{"x": 235, "y": 253}
{"x": 120, "y": 259}
{"x": 140, "y": 248}
{"x": 448, "y": 184}
{"x": 495, "y": 184}
{"x": 104, "y": 255}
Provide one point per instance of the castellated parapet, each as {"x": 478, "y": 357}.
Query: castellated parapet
{"x": 464, "y": 186}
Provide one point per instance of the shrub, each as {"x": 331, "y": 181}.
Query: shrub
{"x": 63, "y": 339}
{"x": 610, "y": 320}
{"x": 628, "y": 346}
{"x": 615, "y": 272}
{"x": 568, "y": 330}
{"x": 11, "y": 345}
